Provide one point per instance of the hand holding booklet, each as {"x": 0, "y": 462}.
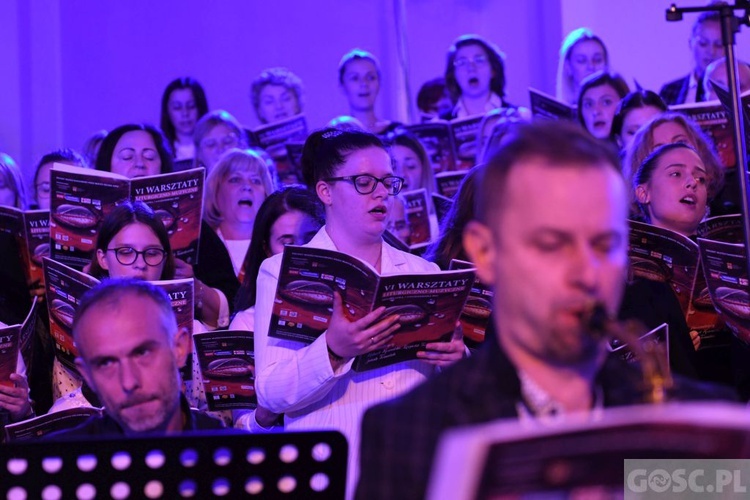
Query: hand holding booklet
{"x": 428, "y": 305}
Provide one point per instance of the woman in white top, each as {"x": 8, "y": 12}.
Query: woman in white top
{"x": 475, "y": 77}
{"x": 290, "y": 216}
{"x": 314, "y": 385}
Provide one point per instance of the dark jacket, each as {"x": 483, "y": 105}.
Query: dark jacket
{"x": 105, "y": 426}
{"x": 399, "y": 437}
{"x": 675, "y": 91}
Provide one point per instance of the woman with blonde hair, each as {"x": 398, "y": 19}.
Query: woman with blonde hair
{"x": 235, "y": 190}
{"x": 582, "y": 53}
{"x": 670, "y": 127}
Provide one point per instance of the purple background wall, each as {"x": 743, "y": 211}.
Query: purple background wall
{"x": 74, "y": 67}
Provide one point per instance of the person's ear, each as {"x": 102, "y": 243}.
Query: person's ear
{"x": 642, "y": 194}
{"x": 323, "y": 189}
{"x": 101, "y": 260}
{"x": 181, "y": 346}
{"x": 480, "y": 247}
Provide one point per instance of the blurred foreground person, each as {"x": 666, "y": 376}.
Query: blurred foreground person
{"x": 561, "y": 252}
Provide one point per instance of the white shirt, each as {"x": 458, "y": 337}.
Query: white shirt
{"x": 297, "y": 380}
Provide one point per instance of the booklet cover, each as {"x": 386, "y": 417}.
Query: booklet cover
{"x": 465, "y": 132}
{"x": 65, "y": 287}
{"x": 727, "y": 228}
{"x": 442, "y": 206}
{"x": 181, "y": 295}
{"x": 663, "y": 255}
{"x": 273, "y": 137}
{"x": 9, "y": 347}
{"x": 418, "y": 216}
{"x": 428, "y": 305}
{"x": 35, "y": 428}
{"x": 449, "y": 182}
{"x": 437, "y": 140}
{"x": 716, "y": 122}
{"x": 475, "y": 316}
{"x": 31, "y": 231}
{"x": 227, "y": 364}
{"x": 26, "y": 333}
{"x": 725, "y": 270}
{"x": 547, "y": 107}
{"x": 726, "y": 99}
{"x": 82, "y": 197}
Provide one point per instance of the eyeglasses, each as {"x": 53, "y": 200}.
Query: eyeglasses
{"x": 128, "y": 255}
{"x": 463, "y": 62}
{"x": 366, "y": 183}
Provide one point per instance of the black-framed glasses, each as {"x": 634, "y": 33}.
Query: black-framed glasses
{"x": 463, "y": 62}
{"x": 128, "y": 255}
{"x": 366, "y": 183}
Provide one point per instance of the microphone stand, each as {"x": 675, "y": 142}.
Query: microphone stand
{"x": 730, "y": 25}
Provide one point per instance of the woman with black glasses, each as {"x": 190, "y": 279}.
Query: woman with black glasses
{"x": 314, "y": 385}
{"x": 132, "y": 243}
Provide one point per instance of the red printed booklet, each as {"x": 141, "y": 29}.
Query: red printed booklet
{"x": 725, "y": 271}
{"x": 547, "y": 107}
{"x": 31, "y": 231}
{"x": 450, "y": 145}
{"x": 15, "y": 339}
{"x": 448, "y": 183}
{"x": 663, "y": 255}
{"x": 475, "y": 316}
{"x": 273, "y": 137}
{"x": 428, "y": 305}
{"x": 65, "y": 288}
{"x": 227, "y": 364}
{"x": 442, "y": 205}
{"x": 418, "y": 215}
{"x": 82, "y": 197}
{"x": 716, "y": 122}
{"x": 34, "y": 428}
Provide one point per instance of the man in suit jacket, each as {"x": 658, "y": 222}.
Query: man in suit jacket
{"x": 706, "y": 46}
{"x": 551, "y": 235}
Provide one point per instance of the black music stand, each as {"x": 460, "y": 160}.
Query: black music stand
{"x": 200, "y": 465}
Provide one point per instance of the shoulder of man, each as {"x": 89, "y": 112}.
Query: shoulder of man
{"x": 399, "y": 437}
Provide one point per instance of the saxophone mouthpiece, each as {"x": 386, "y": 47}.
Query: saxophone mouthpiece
{"x": 597, "y": 322}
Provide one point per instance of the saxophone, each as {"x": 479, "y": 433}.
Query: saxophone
{"x": 657, "y": 381}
